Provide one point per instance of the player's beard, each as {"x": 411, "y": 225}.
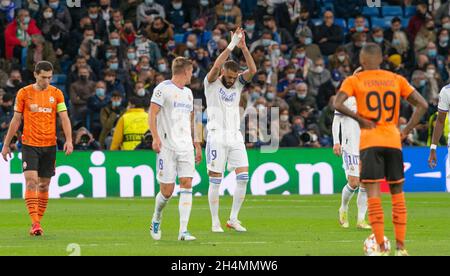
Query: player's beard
{"x": 225, "y": 83}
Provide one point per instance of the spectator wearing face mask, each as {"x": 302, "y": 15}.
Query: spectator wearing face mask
{"x": 146, "y": 47}
{"x": 14, "y": 83}
{"x": 359, "y": 39}
{"x": 59, "y": 41}
{"x": 420, "y": 83}
{"x": 47, "y": 20}
{"x": 301, "y": 100}
{"x": 251, "y": 33}
{"x": 306, "y": 40}
{"x": 142, "y": 94}
{"x": 443, "y": 42}
{"x": 339, "y": 58}
{"x": 329, "y": 35}
{"x": 148, "y": 11}
{"x": 198, "y": 29}
{"x": 113, "y": 84}
{"x": 109, "y": 115}
{"x": 285, "y": 125}
{"x": 378, "y": 38}
{"x": 41, "y": 50}
{"x": 280, "y": 35}
{"x": 426, "y": 34}
{"x": 61, "y": 12}
{"x": 265, "y": 41}
{"x": 292, "y": 139}
{"x": 317, "y": 76}
{"x": 286, "y": 86}
{"x": 95, "y": 104}
{"x": 178, "y": 15}
{"x": 18, "y": 34}
{"x": 360, "y": 27}
{"x": 229, "y": 13}
{"x": 301, "y": 60}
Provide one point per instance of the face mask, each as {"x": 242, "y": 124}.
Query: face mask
{"x": 90, "y": 38}
{"x": 228, "y": 7}
{"x": 301, "y": 56}
{"x": 56, "y": 37}
{"x": 114, "y": 66}
{"x": 190, "y": 45}
{"x": 359, "y": 29}
{"x": 266, "y": 42}
{"x": 363, "y": 44}
{"x": 396, "y": 42}
{"x": 335, "y": 83}
{"x": 291, "y": 77}
{"x": 260, "y": 107}
{"x": 277, "y": 52}
{"x": 16, "y": 83}
{"x": 116, "y": 104}
{"x": 149, "y": 2}
{"x": 145, "y": 67}
{"x": 204, "y": 3}
{"x": 54, "y": 5}
{"x": 141, "y": 92}
{"x": 108, "y": 55}
{"x": 48, "y": 15}
{"x": 216, "y": 38}
{"x": 308, "y": 41}
{"x": 254, "y": 96}
{"x": 104, "y": 7}
{"x": 423, "y": 83}
{"x": 270, "y": 96}
{"x": 431, "y": 72}
{"x": 131, "y": 56}
{"x": 446, "y": 26}
{"x": 26, "y": 20}
{"x": 250, "y": 28}
{"x": 162, "y": 67}
{"x": 83, "y": 78}
{"x": 115, "y": 42}
{"x": 100, "y": 92}
{"x": 177, "y": 6}
{"x": 378, "y": 40}
{"x": 301, "y": 96}
{"x": 6, "y": 3}
{"x": 444, "y": 39}
{"x": 319, "y": 69}
{"x": 93, "y": 16}
{"x": 341, "y": 58}
{"x": 432, "y": 53}
{"x": 284, "y": 118}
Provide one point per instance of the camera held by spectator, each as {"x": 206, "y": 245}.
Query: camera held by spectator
{"x": 85, "y": 141}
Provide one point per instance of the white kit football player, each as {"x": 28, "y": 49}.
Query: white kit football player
{"x": 349, "y": 149}
{"x": 225, "y": 143}
{"x": 171, "y": 124}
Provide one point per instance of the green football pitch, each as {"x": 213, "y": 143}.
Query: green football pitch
{"x": 277, "y": 226}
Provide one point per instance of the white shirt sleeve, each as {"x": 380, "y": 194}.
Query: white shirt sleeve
{"x": 444, "y": 100}
{"x": 158, "y": 96}
{"x": 336, "y": 127}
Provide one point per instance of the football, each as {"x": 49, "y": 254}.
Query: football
{"x": 371, "y": 247}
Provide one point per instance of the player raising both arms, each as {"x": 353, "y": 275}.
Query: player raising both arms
{"x": 225, "y": 143}
{"x": 378, "y": 94}
{"x": 171, "y": 124}
{"x": 349, "y": 150}
{"x": 37, "y": 105}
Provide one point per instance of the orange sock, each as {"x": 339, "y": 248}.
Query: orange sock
{"x": 32, "y": 201}
{"x": 43, "y": 201}
{"x": 399, "y": 218}
{"x": 376, "y": 218}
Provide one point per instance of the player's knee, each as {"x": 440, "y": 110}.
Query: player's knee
{"x": 242, "y": 178}
{"x": 32, "y": 183}
{"x": 396, "y": 188}
{"x": 214, "y": 174}
{"x": 186, "y": 183}
{"x": 353, "y": 182}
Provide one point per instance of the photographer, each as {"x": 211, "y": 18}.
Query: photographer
{"x": 84, "y": 141}
{"x": 146, "y": 143}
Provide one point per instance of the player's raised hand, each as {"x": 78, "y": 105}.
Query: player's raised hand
{"x": 432, "y": 160}
{"x": 156, "y": 145}
{"x": 242, "y": 45}
{"x": 337, "y": 150}
{"x": 68, "y": 148}
{"x": 6, "y": 151}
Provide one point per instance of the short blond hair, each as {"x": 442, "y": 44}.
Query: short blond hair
{"x": 180, "y": 64}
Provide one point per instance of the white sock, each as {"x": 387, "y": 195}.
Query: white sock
{"x": 213, "y": 198}
{"x": 185, "y": 206}
{"x": 160, "y": 203}
{"x": 362, "y": 204}
{"x": 347, "y": 194}
{"x": 239, "y": 195}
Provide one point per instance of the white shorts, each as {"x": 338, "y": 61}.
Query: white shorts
{"x": 220, "y": 151}
{"x": 171, "y": 164}
{"x": 351, "y": 164}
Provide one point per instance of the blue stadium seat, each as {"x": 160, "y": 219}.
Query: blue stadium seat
{"x": 380, "y": 22}
{"x": 327, "y": 6}
{"x": 341, "y": 23}
{"x": 178, "y": 38}
{"x": 59, "y": 79}
{"x": 371, "y": 11}
{"x": 405, "y": 22}
{"x": 392, "y": 11}
{"x": 410, "y": 11}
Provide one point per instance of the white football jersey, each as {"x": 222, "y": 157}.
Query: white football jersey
{"x": 350, "y": 128}
{"x": 444, "y": 102}
{"x": 174, "y": 119}
{"x": 223, "y": 105}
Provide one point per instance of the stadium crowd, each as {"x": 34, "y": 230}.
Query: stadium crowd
{"x": 108, "y": 52}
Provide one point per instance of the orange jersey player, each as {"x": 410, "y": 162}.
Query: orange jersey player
{"x": 37, "y": 105}
{"x": 378, "y": 94}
